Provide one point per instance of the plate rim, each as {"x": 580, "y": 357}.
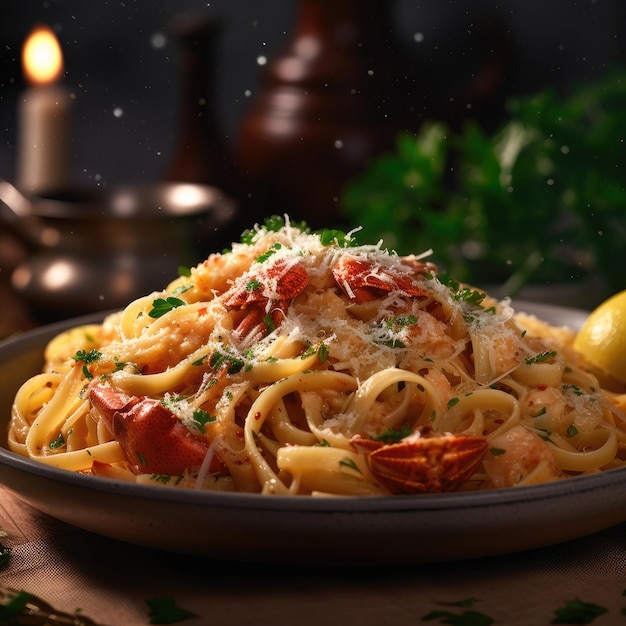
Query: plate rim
{"x": 353, "y": 504}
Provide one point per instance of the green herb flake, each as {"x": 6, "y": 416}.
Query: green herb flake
{"x": 350, "y": 463}
{"x": 253, "y": 285}
{"x": 269, "y": 253}
{"x": 497, "y": 451}
{"x": 452, "y": 402}
{"x": 161, "y": 306}
{"x": 202, "y": 418}
{"x": 161, "y": 478}
{"x": 268, "y": 320}
{"x": 330, "y": 236}
{"x": 182, "y": 289}
{"x": 578, "y": 612}
{"x": 394, "y": 435}
{"x": 82, "y": 356}
{"x": 184, "y": 271}
{"x": 574, "y": 389}
{"x": 165, "y": 611}
{"x": 323, "y": 352}
{"x": 572, "y": 431}
{"x": 541, "y": 358}
{"x": 14, "y": 607}
{"x": 58, "y": 442}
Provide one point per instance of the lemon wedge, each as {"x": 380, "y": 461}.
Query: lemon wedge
{"x": 602, "y": 338}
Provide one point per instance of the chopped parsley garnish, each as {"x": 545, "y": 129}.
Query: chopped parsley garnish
{"x": 452, "y": 402}
{"x": 161, "y": 306}
{"x": 184, "y": 271}
{"x": 330, "y": 236}
{"x": 471, "y": 296}
{"x": 268, "y": 254}
{"x": 323, "y": 352}
{"x": 541, "y": 358}
{"x": 82, "y": 356}
{"x": 14, "y": 607}
{"x": 253, "y": 285}
{"x": 350, "y": 463}
{"x": 182, "y": 289}
{"x": 202, "y": 417}
{"x": 161, "y": 478}
{"x": 58, "y": 442}
{"x": 574, "y": 389}
{"x": 394, "y": 435}
{"x": 572, "y": 431}
{"x": 165, "y": 611}
{"x": 272, "y": 224}
{"x": 577, "y": 612}
{"x": 497, "y": 451}
{"x": 219, "y": 359}
{"x": 268, "y": 320}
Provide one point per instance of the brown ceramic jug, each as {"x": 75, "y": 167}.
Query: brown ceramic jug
{"x": 327, "y": 104}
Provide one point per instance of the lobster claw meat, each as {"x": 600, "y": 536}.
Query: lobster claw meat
{"x": 269, "y": 293}
{"x": 364, "y": 281}
{"x": 423, "y": 464}
{"x": 153, "y": 439}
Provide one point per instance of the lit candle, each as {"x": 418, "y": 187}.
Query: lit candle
{"x": 44, "y": 118}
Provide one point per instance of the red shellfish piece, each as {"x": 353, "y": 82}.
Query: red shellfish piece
{"x": 430, "y": 464}
{"x": 291, "y": 279}
{"x": 364, "y": 281}
{"x": 152, "y": 437}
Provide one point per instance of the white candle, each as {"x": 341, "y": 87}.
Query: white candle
{"x": 44, "y": 117}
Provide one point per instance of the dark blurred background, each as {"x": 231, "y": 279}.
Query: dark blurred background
{"x": 122, "y": 62}
{"x": 297, "y": 96}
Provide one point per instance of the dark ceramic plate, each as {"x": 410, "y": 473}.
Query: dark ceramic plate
{"x": 385, "y": 530}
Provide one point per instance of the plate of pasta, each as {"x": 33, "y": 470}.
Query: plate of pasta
{"x": 304, "y": 397}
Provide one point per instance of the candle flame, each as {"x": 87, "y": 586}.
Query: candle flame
{"x": 42, "y": 59}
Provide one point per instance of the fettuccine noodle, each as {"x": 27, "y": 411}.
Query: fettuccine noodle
{"x": 298, "y": 363}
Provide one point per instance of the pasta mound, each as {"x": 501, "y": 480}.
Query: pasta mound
{"x": 301, "y": 363}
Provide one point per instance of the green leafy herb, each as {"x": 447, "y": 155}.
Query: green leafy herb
{"x": 524, "y": 203}
{"x": 202, "y": 418}
{"x": 82, "y": 356}
{"x": 220, "y": 359}
{"x": 323, "y": 352}
{"x": 268, "y": 320}
{"x": 577, "y": 612}
{"x": 161, "y": 478}
{"x": 393, "y": 435}
{"x": 541, "y": 358}
{"x": 497, "y": 451}
{"x": 58, "y": 442}
{"x": 165, "y": 611}
{"x": 572, "y": 431}
{"x": 184, "y": 271}
{"x": 14, "y": 607}
{"x": 253, "y": 285}
{"x": 263, "y": 257}
{"x": 574, "y": 389}
{"x": 329, "y": 236}
{"x": 350, "y": 463}
{"x": 161, "y": 306}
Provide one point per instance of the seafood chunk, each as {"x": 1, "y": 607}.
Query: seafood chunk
{"x": 153, "y": 439}
{"x": 423, "y": 463}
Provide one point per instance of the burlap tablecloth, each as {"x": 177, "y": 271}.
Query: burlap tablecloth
{"x": 111, "y": 582}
